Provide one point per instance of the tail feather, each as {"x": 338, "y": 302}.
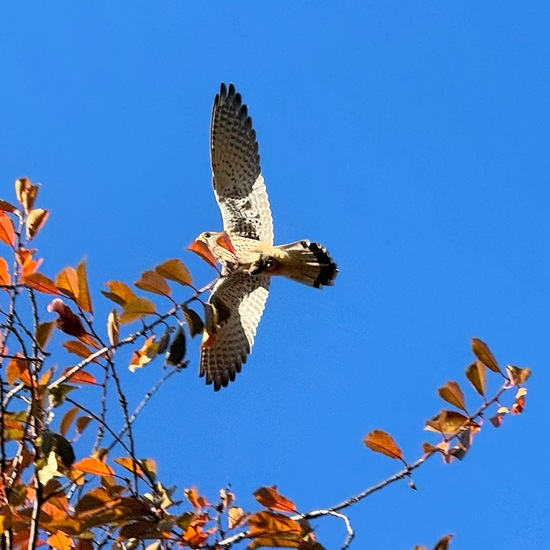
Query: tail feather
{"x": 308, "y": 263}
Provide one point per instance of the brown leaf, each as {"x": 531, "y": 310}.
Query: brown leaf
{"x": 452, "y": 393}
{"x": 519, "y": 403}
{"x": 68, "y": 322}
{"x": 43, "y": 333}
{"x": 175, "y": 270}
{"x": 80, "y": 377}
{"x": 35, "y": 221}
{"x": 94, "y": 466}
{"x": 136, "y": 309}
{"x": 6, "y": 206}
{"x": 131, "y": 465}
{"x": 449, "y": 422}
{"x": 497, "y": 420}
{"x": 119, "y": 293}
{"x": 518, "y": 375}
{"x": 483, "y": 353}
{"x": 381, "y": 442}
{"x": 113, "y": 328}
{"x": 271, "y": 498}
{"x": 4, "y": 272}
{"x": 78, "y": 348}
{"x": 7, "y": 232}
{"x": 151, "y": 281}
{"x": 443, "y": 544}
{"x": 67, "y": 420}
{"x": 26, "y": 193}
{"x": 273, "y": 530}
{"x": 83, "y": 298}
{"x": 40, "y": 282}
{"x": 82, "y": 423}
{"x": 477, "y": 375}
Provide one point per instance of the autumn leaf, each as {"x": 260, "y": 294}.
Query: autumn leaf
{"x": 82, "y": 423}
{"x": 35, "y": 221}
{"x": 94, "y": 466}
{"x": 26, "y": 193}
{"x": 273, "y": 530}
{"x": 113, "y": 328}
{"x": 67, "y": 420}
{"x": 193, "y": 497}
{"x": 443, "y": 544}
{"x": 43, "y": 333}
{"x": 449, "y": 422}
{"x": 498, "y": 418}
{"x": 7, "y": 232}
{"x": 67, "y": 282}
{"x": 175, "y": 270}
{"x": 381, "y": 442}
{"x": 70, "y": 323}
{"x": 483, "y": 353}
{"x": 79, "y": 349}
{"x": 452, "y": 393}
{"x": 519, "y": 403}
{"x": 271, "y": 498}
{"x": 18, "y": 370}
{"x": 80, "y": 377}
{"x": 6, "y": 206}
{"x": 40, "y": 282}
{"x": 119, "y": 293}
{"x": 136, "y": 309}
{"x": 83, "y": 297}
{"x": 4, "y": 272}
{"x": 144, "y": 355}
{"x": 518, "y": 375}
{"x": 25, "y": 260}
{"x": 477, "y": 375}
{"x": 131, "y": 465}
{"x": 151, "y": 281}
{"x": 235, "y": 517}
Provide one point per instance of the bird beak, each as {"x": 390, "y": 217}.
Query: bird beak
{"x": 201, "y": 248}
{"x": 225, "y": 242}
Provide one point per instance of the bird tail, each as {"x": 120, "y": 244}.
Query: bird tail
{"x": 308, "y": 263}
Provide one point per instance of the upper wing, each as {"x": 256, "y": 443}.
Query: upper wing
{"x": 236, "y": 172}
{"x": 240, "y": 298}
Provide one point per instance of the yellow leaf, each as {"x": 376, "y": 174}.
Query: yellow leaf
{"x": 94, "y": 466}
{"x": 83, "y": 298}
{"x": 151, "y": 281}
{"x": 26, "y": 193}
{"x": 450, "y": 422}
{"x": 477, "y": 375}
{"x": 483, "y": 353}
{"x": 67, "y": 282}
{"x": 136, "y": 309}
{"x": 130, "y": 464}
{"x": 61, "y": 541}
{"x": 113, "y": 328}
{"x": 35, "y": 221}
{"x": 145, "y": 355}
{"x": 235, "y": 516}
{"x": 119, "y": 293}
{"x": 273, "y": 530}
{"x": 7, "y": 232}
{"x": 381, "y": 442}
{"x": 271, "y": 498}
{"x": 175, "y": 270}
{"x": 452, "y": 393}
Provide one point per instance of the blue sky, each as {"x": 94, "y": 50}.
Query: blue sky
{"x": 411, "y": 139}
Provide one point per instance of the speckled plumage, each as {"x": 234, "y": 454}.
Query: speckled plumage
{"x": 245, "y": 248}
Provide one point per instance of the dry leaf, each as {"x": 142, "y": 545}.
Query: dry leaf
{"x": 83, "y": 298}
{"x": 136, "y": 309}
{"x": 119, "y": 293}
{"x": 94, "y": 466}
{"x": 452, "y": 393}
{"x": 381, "y": 442}
{"x": 271, "y": 498}
{"x": 7, "y": 232}
{"x": 518, "y": 375}
{"x": 175, "y": 270}
{"x": 40, "y": 282}
{"x": 35, "y": 221}
{"x": 483, "y": 353}
{"x": 477, "y": 375}
{"x": 151, "y": 281}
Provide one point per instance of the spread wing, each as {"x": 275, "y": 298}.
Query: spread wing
{"x": 240, "y": 298}
{"x": 238, "y": 184}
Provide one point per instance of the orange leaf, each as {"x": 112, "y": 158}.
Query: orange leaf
{"x": 271, "y": 498}
{"x": 80, "y": 377}
{"x": 24, "y": 259}
{"x": 67, "y": 420}
{"x": 78, "y": 348}
{"x": 151, "y": 281}
{"x": 83, "y": 298}
{"x": 175, "y": 270}
{"x": 67, "y": 282}
{"x": 6, "y": 206}
{"x": 35, "y": 221}
{"x": 130, "y": 464}
{"x": 61, "y": 541}
{"x": 4, "y": 272}
{"x": 193, "y": 497}
{"x": 483, "y": 353}
{"x": 40, "y": 282}
{"x": 18, "y": 370}
{"x": 450, "y": 422}
{"x": 381, "y": 442}
{"x": 477, "y": 375}
{"x": 7, "y": 232}
{"x": 119, "y": 293}
{"x": 136, "y": 309}
{"x": 93, "y": 466}
{"x": 452, "y": 393}
{"x": 274, "y": 530}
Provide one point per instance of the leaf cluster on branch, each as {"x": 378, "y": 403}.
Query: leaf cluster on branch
{"x": 55, "y": 492}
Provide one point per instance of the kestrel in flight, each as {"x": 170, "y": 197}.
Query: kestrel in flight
{"x": 245, "y": 247}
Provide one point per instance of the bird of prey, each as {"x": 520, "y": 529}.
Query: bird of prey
{"x": 244, "y": 248}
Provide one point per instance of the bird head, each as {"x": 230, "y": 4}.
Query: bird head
{"x": 207, "y": 242}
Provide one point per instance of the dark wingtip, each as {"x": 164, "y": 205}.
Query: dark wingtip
{"x": 328, "y": 268}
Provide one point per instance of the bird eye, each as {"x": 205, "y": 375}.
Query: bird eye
{"x": 206, "y": 235}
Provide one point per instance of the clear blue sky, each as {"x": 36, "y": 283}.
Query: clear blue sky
{"x": 411, "y": 138}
